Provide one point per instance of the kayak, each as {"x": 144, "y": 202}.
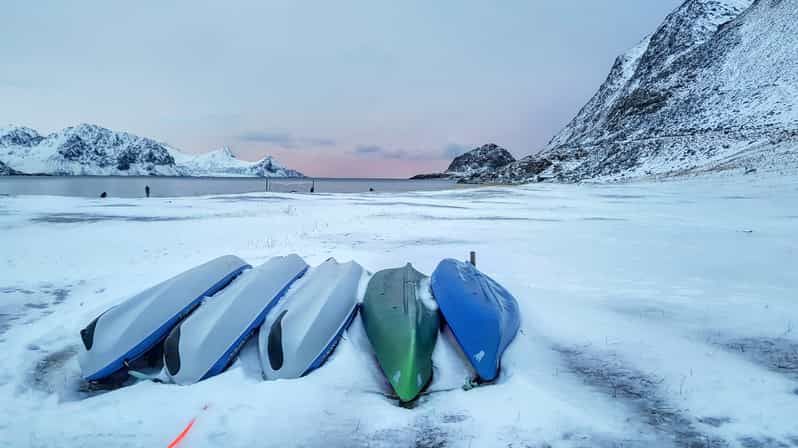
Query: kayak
{"x": 401, "y": 322}
{"x": 207, "y": 342}
{"x": 127, "y": 331}
{"x": 482, "y": 315}
{"x": 303, "y": 329}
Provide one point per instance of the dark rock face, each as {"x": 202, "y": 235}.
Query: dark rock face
{"x": 5, "y": 170}
{"x": 485, "y": 158}
{"x": 709, "y": 90}
{"x": 20, "y": 136}
{"x": 94, "y": 145}
{"x": 528, "y": 168}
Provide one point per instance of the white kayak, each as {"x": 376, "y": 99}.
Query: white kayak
{"x": 303, "y": 329}
{"x": 207, "y": 342}
{"x": 126, "y": 331}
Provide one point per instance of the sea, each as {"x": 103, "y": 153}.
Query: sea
{"x": 162, "y": 186}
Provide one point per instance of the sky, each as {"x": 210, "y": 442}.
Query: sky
{"x": 332, "y": 88}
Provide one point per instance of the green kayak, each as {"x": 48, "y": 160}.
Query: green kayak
{"x": 402, "y": 329}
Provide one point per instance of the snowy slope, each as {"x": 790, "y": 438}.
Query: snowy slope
{"x": 653, "y": 315}
{"x": 714, "y": 88}
{"x": 93, "y": 150}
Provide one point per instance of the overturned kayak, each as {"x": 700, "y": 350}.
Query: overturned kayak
{"x": 401, "y": 322}
{"x": 126, "y": 331}
{"x": 205, "y": 343}
{"x": 302, "y": 330}
{"x": 482, "y": 315}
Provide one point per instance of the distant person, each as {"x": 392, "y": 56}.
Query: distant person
{"x": 147, "y": 190}
{"x": 103, "y": 195}
{"x": 313, "y": 187}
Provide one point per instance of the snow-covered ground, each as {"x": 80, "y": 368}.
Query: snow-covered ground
{"x": 653, "y": 315}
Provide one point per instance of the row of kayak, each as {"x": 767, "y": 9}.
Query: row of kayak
{"x": 201, "y": 318}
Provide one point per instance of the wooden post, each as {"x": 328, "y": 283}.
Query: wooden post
{"x": 473, "y": 258}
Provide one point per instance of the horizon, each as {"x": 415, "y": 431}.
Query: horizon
{"x": 350, "y": 96}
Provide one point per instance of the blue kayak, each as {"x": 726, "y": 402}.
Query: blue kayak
{"x": 482, "y": 315}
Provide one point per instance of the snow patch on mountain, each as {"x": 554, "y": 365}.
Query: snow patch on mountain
{"x": 93, "y": 150}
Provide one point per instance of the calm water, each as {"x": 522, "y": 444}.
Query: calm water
{"x": 128, "y": 187}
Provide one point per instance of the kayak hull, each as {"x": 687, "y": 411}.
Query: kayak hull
{"x": 402, "y": 325}
{"x": 302, "y": 330}
{"x": 483, "y": 316}
{"x": 128, "y": 330}
{"x": 207, "y": 342}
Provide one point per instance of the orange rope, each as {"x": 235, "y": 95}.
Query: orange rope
{"x": 185, "y": 431}
{"x": 182, "y": 434}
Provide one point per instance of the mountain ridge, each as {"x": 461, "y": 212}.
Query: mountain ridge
{"x": 88, "y": 149}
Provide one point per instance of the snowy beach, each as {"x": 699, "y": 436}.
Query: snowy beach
{"x": 652, "y": 315}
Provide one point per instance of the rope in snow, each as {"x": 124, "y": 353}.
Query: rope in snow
{"x": 185, "y": 431}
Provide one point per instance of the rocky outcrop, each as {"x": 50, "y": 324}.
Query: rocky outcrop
{"x": 477, "y": 162}
{"x": 483, "y": 159}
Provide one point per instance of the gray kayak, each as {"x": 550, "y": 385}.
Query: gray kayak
{"x": 303, "y": 329}
{"x": 207, "y": 342}
{"x": 126, "y": 331}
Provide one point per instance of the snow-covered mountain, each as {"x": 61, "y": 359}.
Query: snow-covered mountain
{"x": 224, "y": 162}
{"x": 477, "y": 162}
{"x": 93, "y": 150}
{"x": 714, "y": 88}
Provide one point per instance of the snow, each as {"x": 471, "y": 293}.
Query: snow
{"x": 653, "y": 314}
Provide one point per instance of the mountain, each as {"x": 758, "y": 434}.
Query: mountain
{"x": 223, "y": 162}
{"x": 93, "y": 150}
{"x": 714, "y": 88}
{"x": 474, "y": 163}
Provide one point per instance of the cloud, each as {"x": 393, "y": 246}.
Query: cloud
{"x": 449, "y": 151}
{"x": 380, "y": 152}
{"x": 284, "y": 139}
